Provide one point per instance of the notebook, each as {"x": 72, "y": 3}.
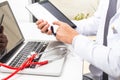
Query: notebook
{"x": 47, "y": 11}
{"x": 17, "y": 47}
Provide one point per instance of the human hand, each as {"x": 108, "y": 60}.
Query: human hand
{"x": 3, "y": 40}
{"x": 65, "y": 33}
{"x": 43, "y": 26}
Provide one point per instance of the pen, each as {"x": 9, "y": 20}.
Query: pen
{"x": 1, "y": 19}
{"x": 1, "y": 27}
{"x": 52, "y": 29}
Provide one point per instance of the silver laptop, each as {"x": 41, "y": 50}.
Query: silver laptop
{"x": 18, "y": 48}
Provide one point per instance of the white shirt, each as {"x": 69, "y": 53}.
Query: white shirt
{"x": 106, "y": 59}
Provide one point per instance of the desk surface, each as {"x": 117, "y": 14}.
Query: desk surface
{"x": 73, "y": 66}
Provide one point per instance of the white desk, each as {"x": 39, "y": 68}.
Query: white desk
{"x": 73, "y": 66}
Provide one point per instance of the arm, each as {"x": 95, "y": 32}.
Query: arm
{"x": 3, "y": 41}
{"x": 105, "y": 58}
{"x": 90, "y": 26}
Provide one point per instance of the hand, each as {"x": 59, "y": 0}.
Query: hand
{"x": 65, "y": 33}
{"x": 3, "y": 40}
{"x": 43, "y": 26}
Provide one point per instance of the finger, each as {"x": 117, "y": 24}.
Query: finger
{"x": 3, "y": 42}
{"x": 49, "y": 32}
{"x": 2, "y": 45}
{"x": 3, "y": 39}
{"x": 57, "y": 23}
{"x": 45, "y": 28}
{"x": 39, "y": 21}
{"x": 42, "y": 24}
{"x": 1, "y": 35}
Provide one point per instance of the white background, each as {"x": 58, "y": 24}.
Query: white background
{"x": 69, "y": 7}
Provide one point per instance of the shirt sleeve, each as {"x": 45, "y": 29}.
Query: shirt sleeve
{"x": 90, "y": 25}
{"x": 87, "y": 26}
{"x": 105, "y": 58}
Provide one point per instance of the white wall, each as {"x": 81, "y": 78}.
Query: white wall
{"x": 19, "y": 10}
{"x": 69, "y": 7}
{"x": 72, "y": 7}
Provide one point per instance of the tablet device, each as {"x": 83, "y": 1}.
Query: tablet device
{"x": 47, "y": 11}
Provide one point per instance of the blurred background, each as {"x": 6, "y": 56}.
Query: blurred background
{"x": 73, "y": 9}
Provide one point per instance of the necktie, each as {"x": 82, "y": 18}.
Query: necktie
{"x": 110, "y": 13}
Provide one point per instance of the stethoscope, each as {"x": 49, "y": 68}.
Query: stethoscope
{"x": 47, "y": 56}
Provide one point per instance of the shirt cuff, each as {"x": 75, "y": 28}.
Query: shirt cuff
{"x": 82, "y": 46}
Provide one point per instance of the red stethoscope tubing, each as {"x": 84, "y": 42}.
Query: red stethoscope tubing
{"x": 27, "y": 63}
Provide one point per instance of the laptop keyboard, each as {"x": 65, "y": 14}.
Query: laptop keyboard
{"x": 23, "y": 54}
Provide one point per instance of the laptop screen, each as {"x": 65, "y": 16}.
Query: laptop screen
{"x": 11, "y": 29}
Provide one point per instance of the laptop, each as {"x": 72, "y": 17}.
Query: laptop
{"x": 18, "y": 48}
{"x": 48, "y": 11}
